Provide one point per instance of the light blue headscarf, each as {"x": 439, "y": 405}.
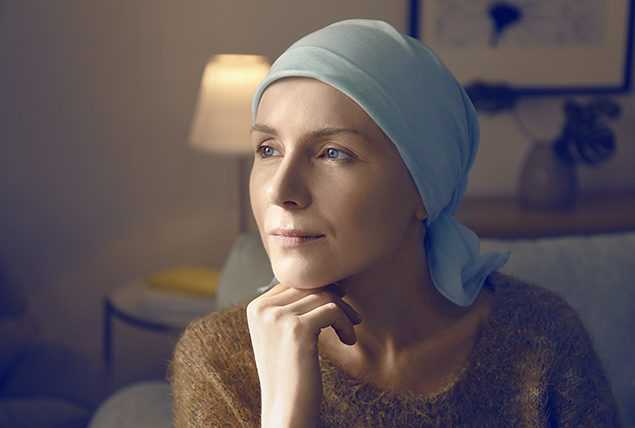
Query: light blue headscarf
{"x": 416, "y": 101}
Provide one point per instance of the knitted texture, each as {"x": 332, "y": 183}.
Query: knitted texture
{"x": 534, "y": 365}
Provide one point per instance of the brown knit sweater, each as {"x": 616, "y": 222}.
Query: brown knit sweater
{"x": 533, "y": 366}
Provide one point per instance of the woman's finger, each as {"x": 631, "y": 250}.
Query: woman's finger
{"x": 351, "y": 313}
{"x": 331, "y": 315}
{"x": 282, "y": 295}
{"x": 337, "y": 289}
{"x": 320, "y": 298}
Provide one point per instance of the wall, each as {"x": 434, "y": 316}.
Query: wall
{"x": 97, "y": 184}
{"x": 504, "y": 147}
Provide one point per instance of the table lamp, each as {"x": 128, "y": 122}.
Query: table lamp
{"x": 222, "y": 118}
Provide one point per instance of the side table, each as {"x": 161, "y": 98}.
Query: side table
{"x": 143, "y": 308}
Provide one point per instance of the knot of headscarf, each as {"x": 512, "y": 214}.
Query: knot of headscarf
{"x": 425, "y": 112}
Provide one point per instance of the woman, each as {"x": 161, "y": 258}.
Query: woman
{"x": 383, "y": 312}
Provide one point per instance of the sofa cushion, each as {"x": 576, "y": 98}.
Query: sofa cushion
{"x": 247, "y": 268}
{"x": 596, "y": 275}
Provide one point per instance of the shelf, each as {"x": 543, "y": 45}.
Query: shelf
{"x": 504, "y": 217}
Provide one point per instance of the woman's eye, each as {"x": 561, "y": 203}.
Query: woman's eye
{"x": 267, "y": 151}
{"x": 336, "y": 154}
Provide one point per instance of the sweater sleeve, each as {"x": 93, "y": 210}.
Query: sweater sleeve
{"x": 579, "y": 392}
{"x": 213, "y": 375}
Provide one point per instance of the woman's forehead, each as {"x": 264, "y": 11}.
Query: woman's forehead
{"x": 316, "y": 110}
{"x": 300, "y": 99}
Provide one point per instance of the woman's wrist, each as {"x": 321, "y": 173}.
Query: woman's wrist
{"x": 288, "y": 413}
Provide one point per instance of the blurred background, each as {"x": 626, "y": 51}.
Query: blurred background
{"x": 98, "y": 186}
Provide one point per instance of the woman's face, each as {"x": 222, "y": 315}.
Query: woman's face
{"x": 330, "y": 193}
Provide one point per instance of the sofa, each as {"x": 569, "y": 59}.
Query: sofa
{"x": 43, "y": 384}
{"x": 596, "y": 274}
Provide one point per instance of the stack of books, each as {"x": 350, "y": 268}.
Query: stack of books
{"x": 180, "y": 294}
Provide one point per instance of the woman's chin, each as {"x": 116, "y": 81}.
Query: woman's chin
{"x": 301, "y": 280}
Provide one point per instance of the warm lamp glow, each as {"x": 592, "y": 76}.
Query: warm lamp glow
{"x": 222, "y": 118}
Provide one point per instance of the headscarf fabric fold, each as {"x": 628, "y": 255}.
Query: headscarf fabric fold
{"x": 425, "y": 112}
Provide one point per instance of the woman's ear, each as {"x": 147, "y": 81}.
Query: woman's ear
{"x": 421, "y": 212}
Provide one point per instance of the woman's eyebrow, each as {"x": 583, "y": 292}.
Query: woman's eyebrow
{"x": 264, "y": 129}
{"x": 326, "y": 132}
{"x": 319, "y": 133}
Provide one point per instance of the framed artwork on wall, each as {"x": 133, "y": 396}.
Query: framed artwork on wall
{"x": 533, "y": 46}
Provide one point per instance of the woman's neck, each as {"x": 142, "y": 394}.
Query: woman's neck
{"x": 400, "y": 304}
{"x": 408, "y": 325}
{"x": 397, "y": 297}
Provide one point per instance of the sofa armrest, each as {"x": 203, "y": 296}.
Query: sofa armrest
{"x": 51, "y": 369}
{"x": 145, "y": 404}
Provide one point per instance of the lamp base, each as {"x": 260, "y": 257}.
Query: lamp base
{"x": 245, "y": 216}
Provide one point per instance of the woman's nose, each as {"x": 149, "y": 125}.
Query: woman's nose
{"x": 289, "y": 187}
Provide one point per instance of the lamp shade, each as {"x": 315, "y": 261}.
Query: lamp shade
{"x": 222, "y": 118}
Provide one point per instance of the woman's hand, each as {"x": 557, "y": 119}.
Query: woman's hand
{"x": 284, "y": 324}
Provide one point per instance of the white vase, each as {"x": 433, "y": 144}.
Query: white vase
{"x": 547, "y": 181}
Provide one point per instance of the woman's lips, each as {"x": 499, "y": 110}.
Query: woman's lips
{"x": 293, "y": 238}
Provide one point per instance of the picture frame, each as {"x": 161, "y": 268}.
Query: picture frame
{"x": 535, "y": 47}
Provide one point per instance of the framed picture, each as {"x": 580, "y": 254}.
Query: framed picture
{"x": 533, "y": 46}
